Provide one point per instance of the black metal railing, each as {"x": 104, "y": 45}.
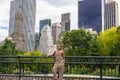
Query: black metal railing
{"x": 76, "y": 67}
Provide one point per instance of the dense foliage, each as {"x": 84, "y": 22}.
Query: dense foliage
{"x": 8, "y": 48}
{"x": 81, "y": 43}
{"x": 109, "y": 42}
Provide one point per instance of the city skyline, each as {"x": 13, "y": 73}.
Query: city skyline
{"x": 45, "y": 9}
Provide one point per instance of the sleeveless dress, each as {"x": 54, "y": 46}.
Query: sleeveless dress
{"x": 58, "y": 67}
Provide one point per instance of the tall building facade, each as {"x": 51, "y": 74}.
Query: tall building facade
{"x": 56, "y": 31}
{"x": 46, "y": 41}
{"x": 18, "y": 35}
{"x": 66, "y": 21}
{"x": 111, "y": 14}
{"x": 44, "y": 23}
{"x": 29, "y": 12}
{"x": 12, "y": 17}
{"x": 91, "y": 14}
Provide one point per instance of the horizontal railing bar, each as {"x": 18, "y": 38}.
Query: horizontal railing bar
{"x": 80, "y": 62}
{"x": 95, "y": 57}
{"x": 8, "y": 62}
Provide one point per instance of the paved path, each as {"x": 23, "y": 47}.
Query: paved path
{"x": 49, "y": 77}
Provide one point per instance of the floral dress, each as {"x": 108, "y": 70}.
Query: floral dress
{"x": 58, "y": 67}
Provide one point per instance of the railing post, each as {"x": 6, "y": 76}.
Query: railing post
{"x": 23, "y": 69}
{"x": 19, "y": 67}
{"x": 119, "y": 71}
{"x": 100, "y": 69}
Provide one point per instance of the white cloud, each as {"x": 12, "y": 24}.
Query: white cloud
{"x": 3, "y": 34}
{"x": 61, "y": 2}
{"x": 4, "y": 19}
{"x": 4, "y": 13}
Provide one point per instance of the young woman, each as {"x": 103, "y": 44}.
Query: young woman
{"x": 59, "y": 64}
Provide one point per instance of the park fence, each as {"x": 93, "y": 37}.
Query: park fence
{"x": 76, "y": 68}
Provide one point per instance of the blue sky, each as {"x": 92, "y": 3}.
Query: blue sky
{"x": 45, "y": 9}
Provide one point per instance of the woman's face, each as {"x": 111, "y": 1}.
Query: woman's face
{"x": 59, "y": 47}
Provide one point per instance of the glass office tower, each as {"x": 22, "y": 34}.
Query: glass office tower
{"x": 42, "y": 24}
{"x": 91, "y": 14}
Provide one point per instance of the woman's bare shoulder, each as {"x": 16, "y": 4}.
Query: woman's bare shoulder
{"x": 62, "y": 51}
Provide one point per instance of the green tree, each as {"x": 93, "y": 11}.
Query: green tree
{"x": 108, "y": 42}
{"x": 8, "y": 48}
{"x": 36, "y": 68}
{"x": 116, "y": 48}
{"x": 78, "y": 43}
{"x": 94, "y": 50}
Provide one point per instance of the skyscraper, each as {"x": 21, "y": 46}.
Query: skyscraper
{"x": 44, "y": 23}
{"x": 111, "y": 14}
{"x": 56, "y": 31}
{"x": 91, "y": 14}
{"x": 29, "y": 13}
{"x": 65, "y": 21}
{"x": 18, "y": 35}
{"x": 46, "y": 41}
{"x": 12, "y": 17}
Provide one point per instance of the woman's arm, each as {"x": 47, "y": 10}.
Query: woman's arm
{"x": 63, "y": 55}
{"x": 51, "y": 54}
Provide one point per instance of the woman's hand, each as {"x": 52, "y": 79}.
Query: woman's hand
{"x": 48, "y": 56}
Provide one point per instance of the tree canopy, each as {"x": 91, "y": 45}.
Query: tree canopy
{"x": 8, "y": 48}
{"x": 82, "y": 43}
{"x": 109, "y": 42}
{"x": 77, "y": 42}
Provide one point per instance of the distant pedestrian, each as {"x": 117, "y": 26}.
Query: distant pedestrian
{"x": 59, "y": 64}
